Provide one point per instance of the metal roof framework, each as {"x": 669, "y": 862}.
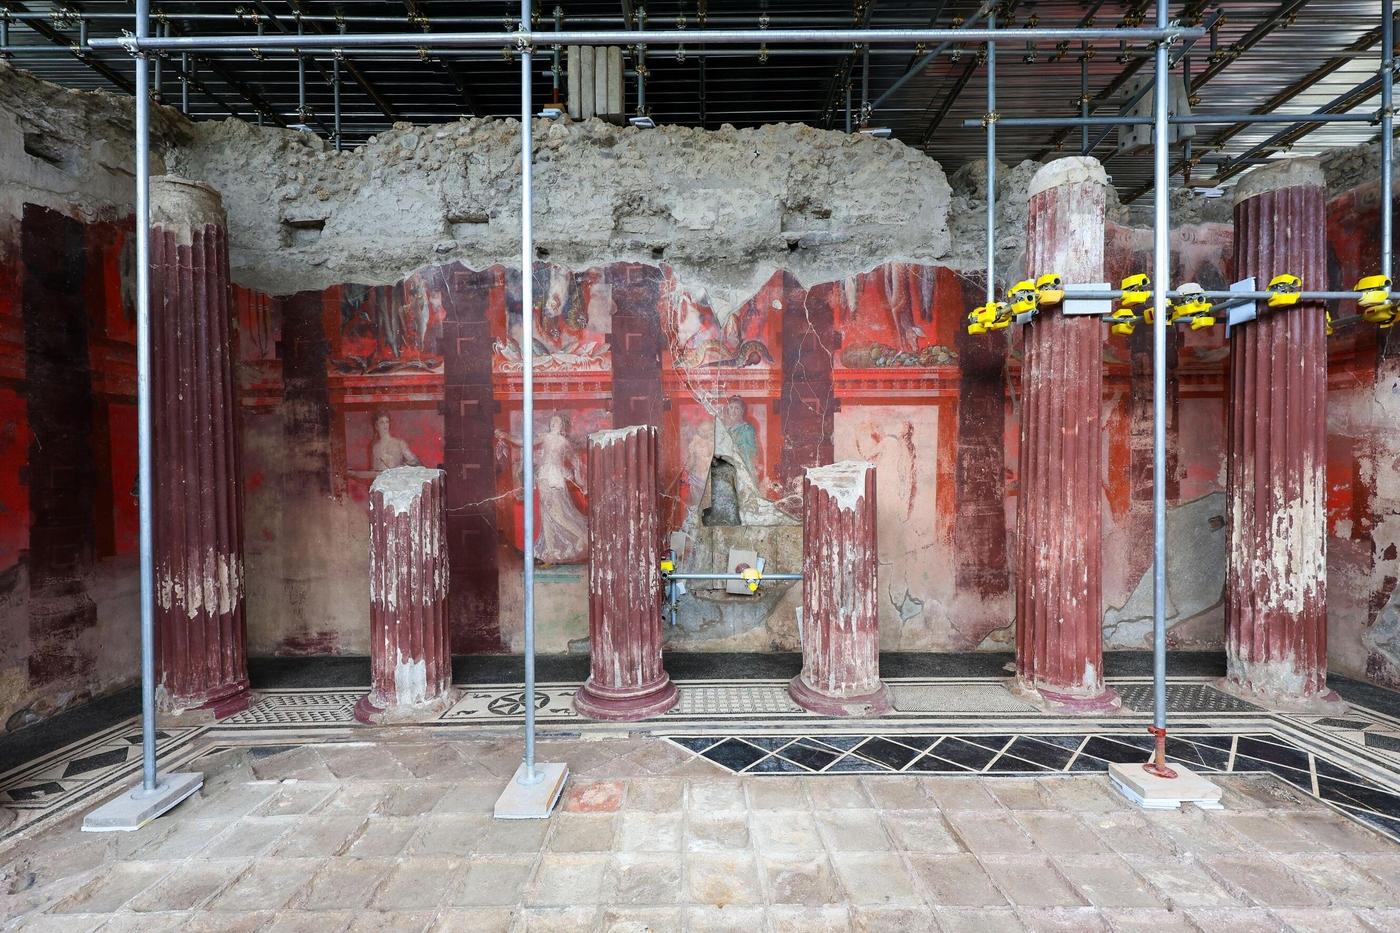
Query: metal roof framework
{"x": 1259, "y": 56}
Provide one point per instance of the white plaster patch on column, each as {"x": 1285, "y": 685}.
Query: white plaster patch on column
{"x": 402, "y": 486}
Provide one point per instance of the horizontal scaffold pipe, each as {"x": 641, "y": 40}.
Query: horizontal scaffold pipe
{"x": 668, "y": 37}
{"x": 1202, "y": 119}
{"x": 729, "y": 576}
{"x": 1114, "y": 295}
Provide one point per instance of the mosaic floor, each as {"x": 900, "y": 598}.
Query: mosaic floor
{"x": 940, "y": 726}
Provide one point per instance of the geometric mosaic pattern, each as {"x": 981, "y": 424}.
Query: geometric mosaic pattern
{"x": 1185, "y": 698}
{"x": 310, "y": 707}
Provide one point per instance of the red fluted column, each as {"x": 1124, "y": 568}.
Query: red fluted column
{"x": 626, "y": 679}
{"x": 410, "y": 661}
{"x": 1059, "y": 599}
{"x": 840, "y": 596}
{"x": 198, "y": 505}
{"x": 1276, "y": 589}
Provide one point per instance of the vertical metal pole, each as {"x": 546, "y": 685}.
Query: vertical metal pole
{"x": 642, "y": 66}
{"x": 158, "y": 78}
{"x": 1084, "y": 104}
{"x": 865, "y": 86}
{"x": 301, "y": 81}
{"x": 143, "y": 402}
{"x": 1387, "y": 131}
{"x": 1161, "y": 275}
{"x": 991, "y": 120}
{"x": 848, "y": 104}
{"x": 335, "y": 99}
{"x": 554, "y": 69}
{"x": 185, "y": 83}
{"x": 527, "y": 417}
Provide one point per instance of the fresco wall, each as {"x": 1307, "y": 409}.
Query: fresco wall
{"x": 343, "y": 383}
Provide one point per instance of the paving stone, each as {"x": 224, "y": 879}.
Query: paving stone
{"x": 114, "y": 887}
{"x": 490, "y": 881}
{"x": 224, "y": 921}
{"x": 362, "y": 799}
{"x": 416, "y": 884}
{"x": 1150, "y": 920}
{"x": 1133, "y": 837}
{"x": 874, "y": 878}
{"x": 717, "y": 795}
{"x": 413, "y": 799}
{"x": 583, "y": 832}
{"x": 1322, "y": 921}
{"x": 594, "y": 797}
{"x": 784, "y": 831}
{"x": 1338, "y": 833}
{"x": 1262, "y": 832}
{"x": 343, "y": 882}
{"x": 650, "y": 832}
{"x": 779, "y": 793}
{"x": 1061, "y": 833}
{"x": 363, "y": 763}
{"x": 189, "y": 886}
{"x": 319, "y": 836}
{"x": 904, "y": 792}
{"x": 723, "y": 919}
{"x": 713, "y": 832}
{"x": 837, "y": 793}
{"x": 955, "y": 881}
{"x": 302, "y": 763}
{"x": 148, "y": 922}
{"x": 469, "y": 797}
{"x": 295, "y": 799}
{"x": 1066, "y": 919}
{"x": 447, "y": 834}
{"x": 60, "y": 923}
{"x": 267, "y": 884}
{"x": 978, "y": 920}
{"x": 1032, "y": 882}
{"x": 655, "y": 795}
{"x": 722, "y": 878}
{"x": 853, "y": 831}
{"x": 644, "y": 878}
{"x": 226, "y": 802}
{"x": 559, "y": 919}
{"x": 567, "y": 879}
{"x": 250, "y": 836}
{"x": 641, "y": 919}
{"x": 1235, "y": 920}
{"x": 800, "y": 879}
{"x": 1264, "y": 882}
{"x": 1185, "y": 884}
{"x": 920, "y": 831}
{"x": 1192, "y": 832}
{"x": 1107, "y": 881}
{"x": 184, "y": 839}
{"x": 319, "y": 921}
{"x": 1084, "y": 794}
{"x": 1018, "y": 793}
{"x": 383, "y": 837}
{"x": 511, "y": 837}
{"x": 395, "y": 921}
{"x": 428, "y": 761}
{"x": 487, "y": 920}
{"x": 956, "y": 793}
{"x": 1340, "y": 879}
{"x": 986, "y": 834}
{"x": 1240, "y": 792}
{"x": 808, "y": 920}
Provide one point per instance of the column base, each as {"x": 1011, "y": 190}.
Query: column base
{"x": 866, "y": 706}
{"x": 1072, "y": 704}
{"x": 369, "y": 712}
{"x": 1327, "y": 702}
{"x": 612, "y": 704}
{"x": 174, "y": 710}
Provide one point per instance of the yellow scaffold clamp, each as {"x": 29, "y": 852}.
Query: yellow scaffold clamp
{"x": 1375, "y": 303}
{"x": 1191, "y": 307}
{"x": 668, "y": 565}
{"x": 1050, "y": 289}
{"x": 1124, "y": 322}
{"x": 1287, "y": 289}
{"x": 1328, "y": 323}
{"x": 1137, "y": 292}
{"x": 751, "y": 577}
{"x": 988, "y": 317}
{"x": 1023, "y": 298}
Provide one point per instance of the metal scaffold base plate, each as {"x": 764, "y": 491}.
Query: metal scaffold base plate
{"x": 137, "y": 807}
{"x": 1156, "y": 793}
{"x": 532, "y": 801}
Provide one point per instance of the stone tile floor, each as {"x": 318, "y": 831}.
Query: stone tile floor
{"x": 396, "y": 834}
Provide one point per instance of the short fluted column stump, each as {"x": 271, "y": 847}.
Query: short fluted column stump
{"x": 410, "y": 659}
{"x": 840, "y": 609}
{"x": 626, "y": 679}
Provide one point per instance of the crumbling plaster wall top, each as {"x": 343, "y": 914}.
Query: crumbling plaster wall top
{"x": 732, "y": 204}
{"x": 73, "y": 151}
